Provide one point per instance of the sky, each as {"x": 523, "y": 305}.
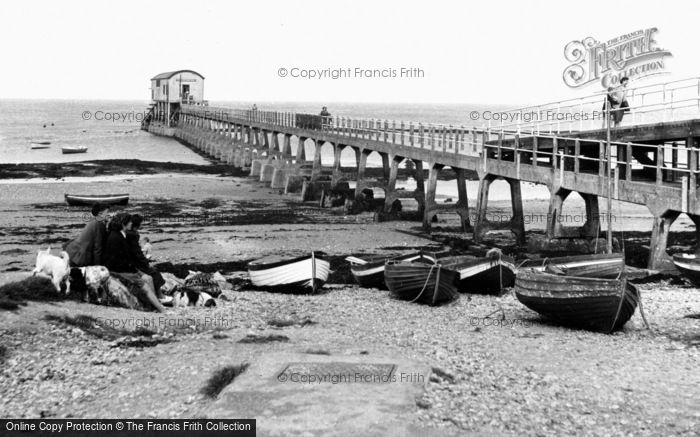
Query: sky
{"x": 497, "y": 52}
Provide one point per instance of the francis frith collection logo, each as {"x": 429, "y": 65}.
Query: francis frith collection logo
{"x": 634, "y": 55}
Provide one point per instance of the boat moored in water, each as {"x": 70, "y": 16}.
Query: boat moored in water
{"x": 73, "y": 149}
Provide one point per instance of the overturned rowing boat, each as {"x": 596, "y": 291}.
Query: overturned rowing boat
{"x": 306, "y": 273}
{"x": 369, "y": 271}
{"x": 593, "y": 303}
{"x": 423, "y": 281}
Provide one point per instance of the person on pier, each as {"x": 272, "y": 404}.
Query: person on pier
{"x": 620, "y": 95}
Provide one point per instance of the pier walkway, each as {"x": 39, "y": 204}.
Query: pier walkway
{"x": 653, "y": 155}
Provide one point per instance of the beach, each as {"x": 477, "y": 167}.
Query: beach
{"x": 507, "y": 375}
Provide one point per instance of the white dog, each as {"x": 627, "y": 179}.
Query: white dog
{"x": 95, "y": 281}
{"x": 55, "y": 267}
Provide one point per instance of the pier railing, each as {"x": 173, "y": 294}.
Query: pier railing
{"x": 669, "y": 101}
{"x": 659, "y": 164}
{"x": 445, "y": 138}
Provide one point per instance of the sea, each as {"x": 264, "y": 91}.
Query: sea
{"x": 111, "y": 130}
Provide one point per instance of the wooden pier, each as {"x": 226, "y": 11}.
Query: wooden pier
{"x": 653, "y": 164}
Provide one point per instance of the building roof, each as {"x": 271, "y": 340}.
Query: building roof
{"x": 169, "y": 74}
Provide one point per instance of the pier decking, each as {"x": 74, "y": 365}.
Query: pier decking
{"x": 653, "y": 163}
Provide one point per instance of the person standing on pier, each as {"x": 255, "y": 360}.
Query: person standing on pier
{"x": 325, "y": 117}
{"x": 620, "y": 95}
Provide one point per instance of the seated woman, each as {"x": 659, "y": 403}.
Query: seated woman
{"x": 119, "y": 261}
{"x": 139, "y": 259}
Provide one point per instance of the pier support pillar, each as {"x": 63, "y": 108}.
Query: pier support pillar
{"x": 516, "y": 224}
{"x": 419, "y": 194}
{"x": 301, "y": 152}
{"x": 431, "y": 209}
{"x": 555, "y": 229}
{"x": 287, "y": 146}
{"x": 390, "y": 194}
{"x": 658, "y": 258}
{"x": 316, "y": 169}
{"x": 256, "y": 167}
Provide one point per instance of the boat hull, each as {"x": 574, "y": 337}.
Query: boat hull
{"x": 90, "y": 199}
{"x": 483, "y": 275}
{"x": 429, "y": 284}
{"x": 603, "y": 305}
{"x": 371, "y": 273}
{"x": 291, "y": 275}
{"x": 689, "y": 266}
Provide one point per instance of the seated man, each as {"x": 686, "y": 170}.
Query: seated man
{"x": 119, "y": 261}
{"x": 139, "y": 259}
{"x": 86, "y": 249}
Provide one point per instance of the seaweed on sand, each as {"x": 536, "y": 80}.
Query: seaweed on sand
{"x": 34, "y": 288}
{"x": 221, "y": 378}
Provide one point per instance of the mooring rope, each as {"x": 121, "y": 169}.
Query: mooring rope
{"x": 430, "y": 273}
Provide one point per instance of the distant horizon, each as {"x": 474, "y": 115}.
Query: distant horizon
{"x": 321, "y": 102}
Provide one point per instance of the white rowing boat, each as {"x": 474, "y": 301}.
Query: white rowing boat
{"x": 276, "y": 273}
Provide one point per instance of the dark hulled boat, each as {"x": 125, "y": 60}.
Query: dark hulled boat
{"x": 481, "y": 275}
{"x": 92, "y": 199}
{"x": 67, "y": 150}
{"x": 369, "y": 271}
{"x": 591, "y": 303}
{"x": 425, "y": 282}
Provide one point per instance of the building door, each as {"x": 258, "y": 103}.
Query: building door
{"x": 185, "y": 92}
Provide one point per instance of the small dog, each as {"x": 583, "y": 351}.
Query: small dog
{"x": 95, "y": 281}
{"x": 190, "y": 298}
{"x": 55, "y": 267}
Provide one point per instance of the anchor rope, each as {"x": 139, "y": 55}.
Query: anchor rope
{"x": 430, "y": 273}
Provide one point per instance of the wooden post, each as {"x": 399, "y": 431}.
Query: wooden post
{"x": 601, "y": 159}
{"x": 659, "y": 164}
{"x": 577, "y": 153}
{"x": 555, "y": 152}
{"x": 421, "y": 133}
{"x": 628, "y": 165}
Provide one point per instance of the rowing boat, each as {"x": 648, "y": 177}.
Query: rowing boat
{"x": 70, "y": 149}
{"x": 481, "y": 275}
{"x": 423, "y": 281}
{"x": 688, "y": 265}
{"x": 602, "y": 265}
{"x": 305, "y": 273}
{"x": 597, "y": 304}
{"x": 369, "y": 271}
{"x": 92, "y": 199}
